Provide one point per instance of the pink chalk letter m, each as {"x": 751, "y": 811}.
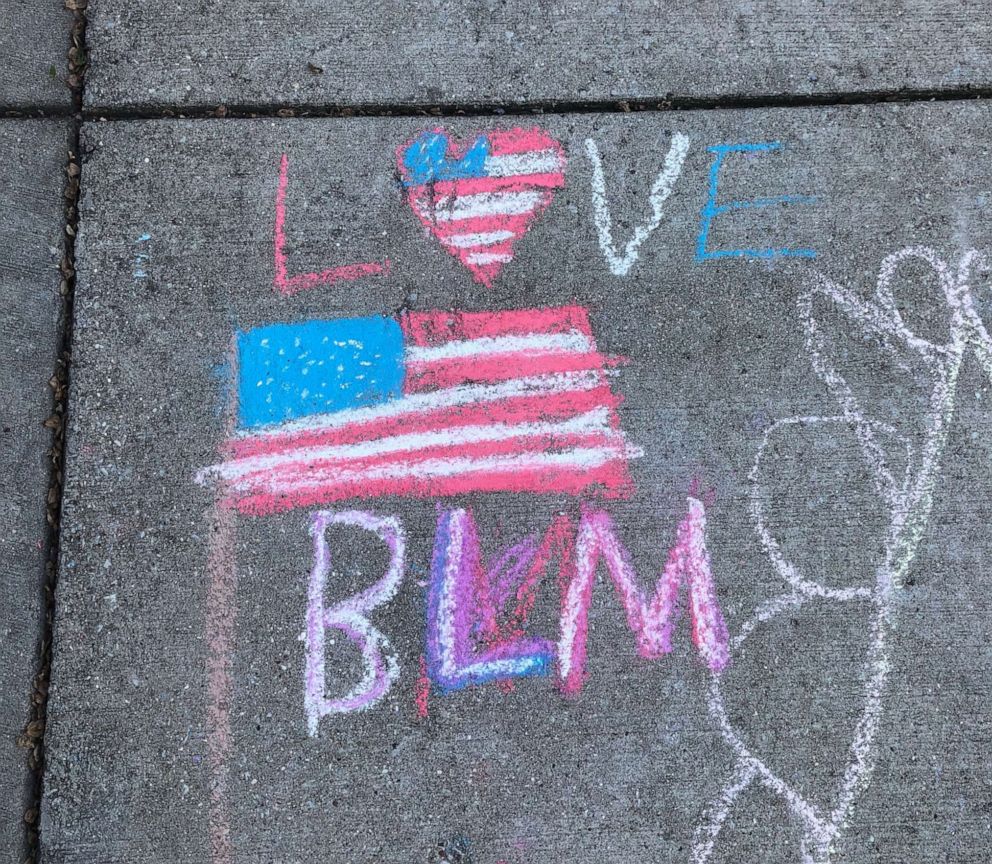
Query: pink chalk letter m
{"x": 652, "y": 620}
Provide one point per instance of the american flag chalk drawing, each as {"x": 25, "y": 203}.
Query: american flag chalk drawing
{"x": 433, "y": 404}
{"x": 479, "y": 200}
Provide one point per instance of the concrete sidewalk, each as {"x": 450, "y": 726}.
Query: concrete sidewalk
{"x": 498, "y": 490}
{"x": 31, "y": 246}
{"x": 34, "y": 40}
{"x": 795, "y": 413}
{"x": 150, "y": 56}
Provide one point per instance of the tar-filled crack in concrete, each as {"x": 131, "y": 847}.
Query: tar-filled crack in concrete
{"x": 33, "y": 737}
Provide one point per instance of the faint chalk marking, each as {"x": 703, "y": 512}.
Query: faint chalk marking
{"x": 620, "y": 264}
{"x": 909, "y": 502}
{"x": 219, "y": 631}
{"x": 142, "y": 256}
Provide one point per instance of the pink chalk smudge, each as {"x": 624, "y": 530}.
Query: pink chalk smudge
{"x": 422, "y": 691}
{"x": 219, "y": 625}
{"x": 220, "y": 618}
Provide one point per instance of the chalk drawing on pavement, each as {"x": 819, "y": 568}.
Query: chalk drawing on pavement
{"x": 287, "y": 284}
{"x": 651, "y": 620}
{"x": 477, "y": 611}
{"x": 478, "y": 200}
{"x": 468, "y": 641}
{"x": 908, "y": 501}
{"x": 434, "y": 404}
{"x": 440, "y": 404}
{"x": 712, "y": 208}
{"x": 350, "y": 617}
{"x": 620, "y": 263}
{"x": 220, "y": 623}
{"x": 466, "y": 598}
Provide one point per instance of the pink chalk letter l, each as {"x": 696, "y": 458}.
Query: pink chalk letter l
{"x": 286, "y": 284}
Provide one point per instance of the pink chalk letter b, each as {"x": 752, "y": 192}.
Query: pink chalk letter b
{"x": 350, "y": 618}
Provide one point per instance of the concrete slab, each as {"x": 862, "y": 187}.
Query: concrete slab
{"x": 34, "y": 45}
{"x": 150, "y": 55}
{"x": 31, "y": 232}
{"x": 809, "y": 455}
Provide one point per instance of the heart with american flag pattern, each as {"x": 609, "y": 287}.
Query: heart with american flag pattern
{"x": 479, "y": 199}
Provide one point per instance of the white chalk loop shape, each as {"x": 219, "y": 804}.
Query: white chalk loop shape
{"x": 908, "y": 497}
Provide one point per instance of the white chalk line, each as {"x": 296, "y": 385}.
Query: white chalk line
{"x": 523, "y": 164}
{"x": 494, "y": 346}
{"x": 594, "y": 422}
{"x": 489, "y": 257}
{"x": 455, "y": 208}
{"x": 478, "y": 238}
{"x": 910, "y": 503}
{"x": 707, "y": 832}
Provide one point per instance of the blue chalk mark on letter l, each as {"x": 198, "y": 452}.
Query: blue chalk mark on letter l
{"x": 712, "y": 209}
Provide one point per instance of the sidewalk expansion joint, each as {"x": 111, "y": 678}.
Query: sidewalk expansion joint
{"x": 482, "y": 109}
{"x": 33, "y": 737}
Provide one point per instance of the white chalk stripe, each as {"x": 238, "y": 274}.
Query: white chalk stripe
{"x": 481, "y": 238}
{"x": 488, "y": 257}
{"x": 453, "y": 208}
{"x": 533, "y": 343}
{"x": 593, "y": 422}
{"x": 415, "y": 403}
{"x": 529, "y": 162}
{"x": 577, "y": 458}
{"x": 495, "y": 668}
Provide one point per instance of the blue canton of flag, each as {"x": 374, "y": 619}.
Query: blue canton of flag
{"x": 289, "y": 371}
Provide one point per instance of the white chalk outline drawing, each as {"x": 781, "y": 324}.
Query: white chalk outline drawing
{"x": 908, "y": 499}
{"x": 620, "y": 264}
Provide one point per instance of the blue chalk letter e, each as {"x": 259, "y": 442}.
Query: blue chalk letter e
{"x": 712, "y": 209}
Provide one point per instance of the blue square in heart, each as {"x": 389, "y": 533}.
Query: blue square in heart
{"x": 426, "y": 160}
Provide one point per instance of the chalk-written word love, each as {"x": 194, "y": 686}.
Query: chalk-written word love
{"x": 477, "y": 610}
{"x": 479, "y": 197}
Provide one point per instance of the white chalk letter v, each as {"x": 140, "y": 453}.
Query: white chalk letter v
{"x": 662, "y": 188}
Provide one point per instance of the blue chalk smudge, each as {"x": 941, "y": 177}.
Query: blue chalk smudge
{"x": 426, "y": 160}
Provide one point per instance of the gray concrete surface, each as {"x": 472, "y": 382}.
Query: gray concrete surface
{"x": 151, "y": 55}
{"x": 177, "y": 733}
{"x": 34, "y": 44}
{"x": 31, "y": 183}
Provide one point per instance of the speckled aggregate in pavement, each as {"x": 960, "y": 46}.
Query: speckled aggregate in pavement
{"x": 176, "y": 254}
